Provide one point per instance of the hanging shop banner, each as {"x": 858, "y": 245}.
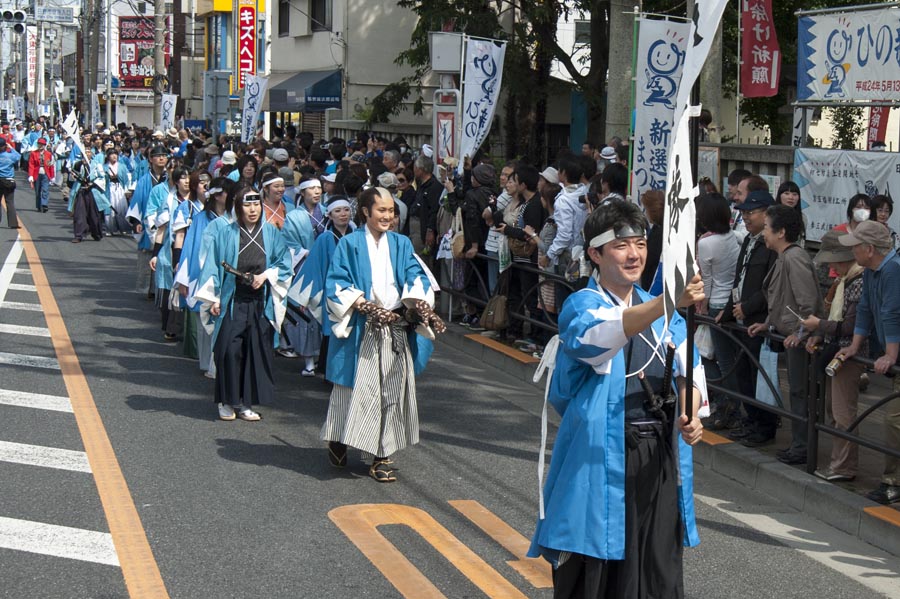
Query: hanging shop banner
{"x": 481, "y": 92}
{"x": 829, "y": 178}
{"x": 246, "y": 41}
{"x": 878, "y": 120}
{"x": 136, "y": 52}
{"x": 679, "y": 265}
{"x": 96, "y": 115}
{"x": 169, "y": 103}
{"x": 254, "y": 92}
{"x": 760, "y": 52}
{"x": 849, "y": 56}
{"x": 660, "y": 60}
{"x": 20, "y": 108}
{"x": 31, "y": 57}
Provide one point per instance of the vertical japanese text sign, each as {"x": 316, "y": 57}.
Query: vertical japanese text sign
{"x": 760, "y": 52}
{"x": 246, "y": 40}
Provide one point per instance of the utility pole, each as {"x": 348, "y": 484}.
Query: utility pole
{"x": 108, "y": 52}
{"x": 159, "y": 58}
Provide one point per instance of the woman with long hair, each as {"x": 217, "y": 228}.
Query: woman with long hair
{"x": 789, "y": 195}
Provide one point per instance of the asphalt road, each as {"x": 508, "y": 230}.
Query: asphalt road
{"x": 254, "y": 510}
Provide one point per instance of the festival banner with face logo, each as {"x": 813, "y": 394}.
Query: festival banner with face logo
{"x": 254, "y": 92}
{"x": 481, "y": 92}
{"x": 660, "y": 56}
{"x": 849, "y": 56}
{"x": 169, "y": 102}
{"x": 679, "y": 265}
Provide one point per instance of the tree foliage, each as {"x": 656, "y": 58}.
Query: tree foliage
{"x": 848, "y": 125}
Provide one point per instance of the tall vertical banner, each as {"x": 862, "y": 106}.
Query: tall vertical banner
{"x": 878, "y": 120}
{"x": 20, "y": 108}
{"x": 482, "y": 75}
{"x": 660, "y": 60}
{"x": 802, "y": 120}
{"x": 31, "y": 58}
{"x": 254, "y": 92}
{"x": 679, "y": 215}
{"x": 95, "y": 110}
{"x": 169, "y": 102}
{"x": 70, "y": 126}
{"x": 246, "y": 41}
{"x": 760, "y": 52}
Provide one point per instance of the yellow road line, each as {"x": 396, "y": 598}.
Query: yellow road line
{"x": 142, "y": 576}
{"x": 884, "y": 513}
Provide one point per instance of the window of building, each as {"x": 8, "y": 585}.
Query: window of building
{"x": 320, "y": 15}
{"x": 284, "y": 18}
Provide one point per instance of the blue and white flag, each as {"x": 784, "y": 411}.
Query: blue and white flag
{"x": 660, "y": 60}
{"x": 20, "y": 108}
{"x": 254, "y": 92}
{"x": 95, "y": 110}
{"x": 169, "y": 103}
{"x": 70, "y": 126}
{"x": 481, "y": 92}
{"x": 679, "y": 265}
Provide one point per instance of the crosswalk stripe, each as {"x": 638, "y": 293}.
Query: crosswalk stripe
{"x": 23, "y": 271}
{"x": 21, "y": 287}
{"x": 9, "y": 267}
{"x": 40, "y": 401}
{"x": 16, "y": 329}
{"x": 47, "y": 457}
{"x": 58, "y": 541}
{"x": 22, "y": 306}
{"x": 30, "y": 361}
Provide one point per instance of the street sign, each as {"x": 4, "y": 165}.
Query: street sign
{"x": 55, "y": 14}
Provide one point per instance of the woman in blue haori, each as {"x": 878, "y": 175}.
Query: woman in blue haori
{"x": 310, "y": 200}
{"x": 379, "y": 298}
{"x": 309, "y": 283}
{"x": 87, "y": 200}
{"x": 117, "y": 182}
{"x": 275, "y": 209}
{"x": 164, "y": 201}
{"x": 243, "y": 312}
{"x": 194, "y": 248}
{"x": 619, "y": 492}
{"x": 155, "y": 174}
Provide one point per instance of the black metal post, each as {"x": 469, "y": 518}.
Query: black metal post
{"x": 815, "y": 392}
{"x": 691, "y": 311}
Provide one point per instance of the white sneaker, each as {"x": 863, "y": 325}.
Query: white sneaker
{"x": 210, "y": 375}
{"x": 226, "y": 412}
{"x": 249, "y": 415}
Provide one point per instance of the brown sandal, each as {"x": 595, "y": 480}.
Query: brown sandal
{"x": 382, "y": 472}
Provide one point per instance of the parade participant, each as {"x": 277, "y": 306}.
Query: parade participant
{"x": 87, "y": 200}
{"x": 41, "y": 170}
{"x": 379, "y": 298}
{"x": 300, "y": 333}
{"x": 245, "y": 171}
{"x": 9, "y": 158}
{"x": 137, "y": 214}
{"x": 274, "y": 208}
{"x": 309, "y": 284}
{"x": 117, "y": 182}
{"x": 310, "y": 199}
{"x": 243, "y": 311}
{"x": 164, "y": 201}
{"x": 619, "y": 493}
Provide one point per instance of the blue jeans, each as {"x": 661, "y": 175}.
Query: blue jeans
{"x": 41, "y": 192}
{"x": 493, "y": 272}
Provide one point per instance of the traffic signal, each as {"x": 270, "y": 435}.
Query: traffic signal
{"x": 16, "y": 18}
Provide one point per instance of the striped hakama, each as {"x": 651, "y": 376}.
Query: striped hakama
{"x": 379, "y": 414}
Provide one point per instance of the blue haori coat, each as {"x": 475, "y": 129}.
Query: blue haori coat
{"x": 193, "y": 251}
{"x": 350, "y": 277}
{"x": 137, "y": 208}
{"x": 218, "y": 287}
{"x": 308, "y": 288}
{"x": 584, "y": 492}
{"x": 161, "y": 209}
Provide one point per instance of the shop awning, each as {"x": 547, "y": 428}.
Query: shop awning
{"x": 309, "y": 91}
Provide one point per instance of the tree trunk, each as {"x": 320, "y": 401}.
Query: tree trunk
{"x": 546, "y": 30}
{"x": 595, "y": 82}
{"x": 620, "y": 58}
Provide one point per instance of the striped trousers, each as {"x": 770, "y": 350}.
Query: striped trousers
{"x": 379, "y": 414}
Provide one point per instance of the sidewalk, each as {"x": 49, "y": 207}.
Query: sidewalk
{"x": 840, "y": 505}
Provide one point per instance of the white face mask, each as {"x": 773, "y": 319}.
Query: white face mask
{"x": 860, "y": 214}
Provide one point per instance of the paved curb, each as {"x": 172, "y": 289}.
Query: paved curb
{"x": 456, "y": 338}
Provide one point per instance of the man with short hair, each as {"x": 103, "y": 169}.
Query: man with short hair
{"x": 428, "y": 201}
{"x": 41, "y": 170}
{"x": 879, "y": 310}
{"x": 391, "y": 160}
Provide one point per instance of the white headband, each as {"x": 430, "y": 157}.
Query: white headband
{"x": 337, "y": 203}
{"x": 273, "y": 180}
{"x": 611, "y": 234}
{"x": 214, "y": 191}
{"x": 309, "y": 183}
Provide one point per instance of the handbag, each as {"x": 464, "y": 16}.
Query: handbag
{"x": 704, "y": 342}
{"x": 519, "y": 248}
{"x": 495, "y": 317}
{"x": 458, "y": 243}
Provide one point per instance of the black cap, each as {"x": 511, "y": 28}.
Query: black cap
{"x": 158, "y": 150}
{"x": 757, "y": 199}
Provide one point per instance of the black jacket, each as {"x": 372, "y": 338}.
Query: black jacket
{"x": 428, "y": 201}
{"x": 753, "y": 297}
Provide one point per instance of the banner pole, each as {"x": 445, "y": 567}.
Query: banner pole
{"x": 631, "y": 113}
{"x": 691, "y": 325}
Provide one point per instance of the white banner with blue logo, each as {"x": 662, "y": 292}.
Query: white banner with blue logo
{"x": 660, "y": 60}
{"x": 849, "y": 56}
{"x": 679, "y": 264}
{"x": 481, "y": 92}
{"x": 96, "y": 115}
{"x": 829, "y": 178}
{"x": 254, "y": 92}
{"x": 167, "y": 114}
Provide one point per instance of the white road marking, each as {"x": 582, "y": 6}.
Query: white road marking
{"x": 47, "y": 457}
{"x": 841, "y": 552}
{"x": 23, "y": 271}
{"x": 15, "y": 329}
{"x": 9, "y": 267}
{"x": 21, "y": 287}
{"x": 30, "y": 361}
{"x": 58, "y": 541}
{"x": 39, "y": 401}
{"x": 22, "y": 306}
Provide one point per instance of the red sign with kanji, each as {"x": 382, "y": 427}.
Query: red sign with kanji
{"x": 760, "y": 52}
{"x": 136, "y": 50}
{"x": 246, "y": 36}
{"x": 878, "y": 120}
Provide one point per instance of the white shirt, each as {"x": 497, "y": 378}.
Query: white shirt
{"x": 384, "y": 289}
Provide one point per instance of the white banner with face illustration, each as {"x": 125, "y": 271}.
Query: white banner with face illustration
{"x": 660, "y": 60}
{"x": 254, "y": 92}
{"x": 169, "y": 102}
{"x": 679, "y": 264}
{"x": 481, "y": 92}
